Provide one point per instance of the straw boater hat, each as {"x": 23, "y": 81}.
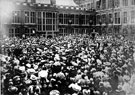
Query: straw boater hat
{"x": 54, "y": 92}
{"x": 33, "y": 77}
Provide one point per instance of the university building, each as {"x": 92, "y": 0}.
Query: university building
{"x": 45, "y": 17}
{"x": 114, "y": 16}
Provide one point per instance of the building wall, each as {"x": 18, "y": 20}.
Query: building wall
{"x": 125, "y": 9}
{"x": 28, "y": 18}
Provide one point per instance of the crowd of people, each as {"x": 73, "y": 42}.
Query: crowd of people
{"x": 68, "y": 65}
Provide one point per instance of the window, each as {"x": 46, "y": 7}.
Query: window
{"x": 16, "y": 17}
{"x": 39, "y": 21}
{"x": 54, "y": 21}
{"x": 49, "y": 21}
{"x": 98, "y": 3}
{"x": 27, "y": 15}
{"x": 117, "y": 18}
{"x": 87, "y": 19}
{"x": 125, "y": 2}
{"x": 61, "y": 18}
{"x": 124, "y": 17}
{"x": 66, "y": 18}
{"x": 110, "y": 3}
{"x": 98, "y": 18}
{"x": 50, "y": 25}
{"x": 76, "y": 19}
{"x": 103, "y": 18}
{"x": 110, "y": 18}
{"x": 116, "y": 3}
{"x": 44, "y": 21}
{"x": 72, "y": 18}
{"x": 88, "y": 5}
{"x": 32, "y": 17}
{"x": 11, "y": 33}
{"x": 92, "y": 5}
{"x": 133, "y": 16}
{"x": 83, "y": 19}
{"x": 103, "y": 4}
{"x": 133, "y": 2}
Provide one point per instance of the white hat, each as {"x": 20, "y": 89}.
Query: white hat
{"x": 33, "y": 77}
{"x": 54, "y": 92}
{"x": 74, "y": 63}
{"x": 99, "y": 62}
{"x": 28, "y": 65}
{"x": 22, "y": 68}
{"x": 57, "y": 63}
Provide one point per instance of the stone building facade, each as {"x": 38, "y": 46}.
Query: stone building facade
{"x": 114, "y": 16}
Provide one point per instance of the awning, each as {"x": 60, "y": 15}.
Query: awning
{"x": 65, "y": 3}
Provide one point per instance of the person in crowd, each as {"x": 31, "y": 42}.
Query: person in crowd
{"x": 68, "y": 65}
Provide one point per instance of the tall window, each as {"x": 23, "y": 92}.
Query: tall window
{"x": 110, "y": 3}
{"x": 103, "y": 18}
{"x": 87, "y": 19}
{"x": 44, "y": 21}
{"x": 49, "y": 21}
{"x": 39, "y": 21}
{"x": 124, "y": 17}
{"x": 32, "y": 17}
{"x": 133, "y": 16}
{"x": 92, "y": 5}
{"x": 133, "y": 2}
{"x": 125, "y": 2}
{"x": 61, "y": 18}
{"x": 98, "y": 3}
{"x": 54, "y": 21}
{"x": 76, "y": 19}
{"x": 117, "y": 18}
{"x": 27, "y": 15}
{"x": 103, "y": 4}
{"x": 66, "y": 18}
{"x": 97, "y": 19}
{"x": 83, "y": 19}
{"x": 116, "y": 3}
{"x": 110, "y": 18}
{"x": 72, "y": 17}
{"x": 16, "y": 17}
